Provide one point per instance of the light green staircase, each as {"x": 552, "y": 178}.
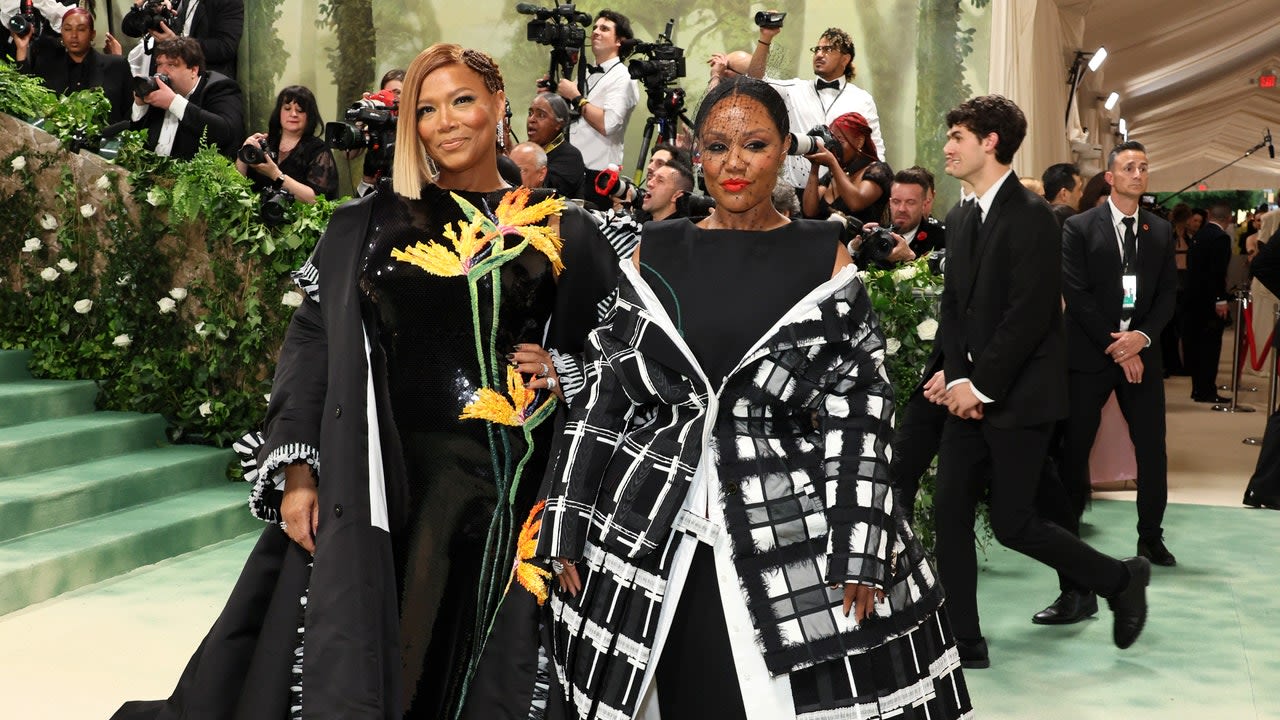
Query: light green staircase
{"x": 86, "y": 496}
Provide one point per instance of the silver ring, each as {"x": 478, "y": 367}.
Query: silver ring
{"x": 545, "y": 370}
{"x": 284, "y": 526}
{"x": 557, "y": 567}
{"x": 551, "y": 383}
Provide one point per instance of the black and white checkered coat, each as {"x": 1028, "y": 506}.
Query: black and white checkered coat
{"x": 797, "y": 444}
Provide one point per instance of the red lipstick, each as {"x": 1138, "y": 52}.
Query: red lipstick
{"x": 734, "y": 185}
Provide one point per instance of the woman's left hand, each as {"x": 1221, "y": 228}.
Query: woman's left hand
{"x": 823, "y": 156}
{"x": 862, "y": 598}
{"x": 267, "y": 168}
{"x": 532, "y": 359}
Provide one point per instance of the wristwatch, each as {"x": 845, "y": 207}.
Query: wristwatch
{"x": 278, "y": 182}
{"x": 579, "y": 101}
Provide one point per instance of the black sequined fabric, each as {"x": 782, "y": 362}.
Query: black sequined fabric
{"x": 446, "y": 555}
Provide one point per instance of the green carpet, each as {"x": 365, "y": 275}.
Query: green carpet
{"x": 1211, "y": 648}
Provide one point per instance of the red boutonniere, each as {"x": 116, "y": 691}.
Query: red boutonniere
{"x": 922, "y": 235}
{"x": 1145, "y": 227}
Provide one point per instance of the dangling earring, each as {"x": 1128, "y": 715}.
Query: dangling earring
{"x": 431, "y": 167}
{"x": 502, "y": 137}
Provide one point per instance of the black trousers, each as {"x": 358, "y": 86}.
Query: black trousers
{"x": 915, "y": 442}
{"x": 1204, "y": 331}
{"x": 1013, "y": 459}
{"x": 1143, "y": 407}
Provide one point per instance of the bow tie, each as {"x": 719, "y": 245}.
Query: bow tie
{"x": 828, "y": 84}
{"x": 593, "y": 69}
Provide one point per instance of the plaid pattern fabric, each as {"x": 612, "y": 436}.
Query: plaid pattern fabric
{"x": 800, "y": 446}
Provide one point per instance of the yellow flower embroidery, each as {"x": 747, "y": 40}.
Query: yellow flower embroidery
{"x": 491, "y": 405}
{"x": 468, "y": 242}
{"x": 515, "y": 217}
{"x": 531, "y": 576}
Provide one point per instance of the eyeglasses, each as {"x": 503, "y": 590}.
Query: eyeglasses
{"x": 816, "y": 49}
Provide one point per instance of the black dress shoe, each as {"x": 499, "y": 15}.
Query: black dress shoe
{"x": 1130, "y": 604}
{"x": 1253, "y": 499}
{"x": 1072, "y": 606}
{"x": 1155, "y": 551}
{"x": 973, "y": 653}
{"x": 1210, "y": 399}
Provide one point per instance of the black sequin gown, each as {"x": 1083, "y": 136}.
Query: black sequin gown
{"x": 445, "y": 557}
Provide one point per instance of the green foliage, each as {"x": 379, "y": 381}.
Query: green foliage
{"x": 156, "y": 280}
{"x": 24, "y": 96}
{"x": 1235, "y": 199}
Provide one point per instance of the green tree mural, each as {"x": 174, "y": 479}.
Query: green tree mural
{"x": 262, "y": 60}
{"x": 352, "y": 61}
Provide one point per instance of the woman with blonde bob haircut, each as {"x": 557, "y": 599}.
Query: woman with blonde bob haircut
{"x": 415, "y": 370}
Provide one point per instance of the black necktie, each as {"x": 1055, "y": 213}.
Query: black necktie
{"x": 1130, "y": 246}
{"x": 828, "y": 84}
{"x": 593, "y": 69}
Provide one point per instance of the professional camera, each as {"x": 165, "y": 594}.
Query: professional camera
{"x": 144, "y": 86}
{"x": 256, "y": 154}
{"x": 665, "y": 64}
{"x": 27, "y": 20}
{"x": 877, "y": 242}
{"x": 610, "y": 182}
{"x": 275, "y": 207}
{"x": 770, "y": 19}
{"x": 563, "y": 28}
{"x": 369, "y": 124}
{"x": 818, "y": 136}
{"x": 156, "y": 12}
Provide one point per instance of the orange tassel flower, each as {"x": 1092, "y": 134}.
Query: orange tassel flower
{"x": 531, "y": 576}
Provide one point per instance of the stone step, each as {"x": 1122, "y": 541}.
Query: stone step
{"x": 24, "y": 401}
{"x": 41, "y": 565}
{"x": 44, "y": 500}
{"x": 47, "y": 444}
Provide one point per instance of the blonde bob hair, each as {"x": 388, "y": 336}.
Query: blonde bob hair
{"x": 412, "y": 166}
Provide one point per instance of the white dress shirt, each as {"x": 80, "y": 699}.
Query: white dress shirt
{"x": 172, "y": 119}
{"x": 807, "y": 106}
{"x": 616, "y": 93}
{"x": 1117, "y": 224}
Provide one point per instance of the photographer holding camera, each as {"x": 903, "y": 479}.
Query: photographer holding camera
{"x": 184, "y": 102}
{"x": 911, "y": 208}
{"x": 290, "y": 157}
{"x": 75, "y": 65}
{"x": 605, "y": 108}
{"x": 216, "y": 24}
{"x": 820, "y": 100}
{"x": 857, "y": 184}
{"x": 38, "y": 21}
{"x": 379, "y": 165}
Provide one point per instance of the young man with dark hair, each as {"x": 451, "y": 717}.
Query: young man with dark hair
{"x": 605, "y": 107}
{"x": 194, "y": 104}
{"x": 819, "y": 100}
{"x": 1005, "y": 381}
{"x": 1063, "y": 188}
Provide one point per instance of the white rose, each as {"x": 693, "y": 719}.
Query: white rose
{"x": 206, "y": 409}
{"x": 906, "y": 272}
{"x": 122, "y": 341}
{"x": 178, "y": 294}
{"x": 87, "y": 210}
{"x": 49, "y": 274}
{"x": 154, "y": 197}
{"x": 18, "y": 163}
{"x": 31, "y": 245}
{"x": 103, "y": 183}
{"x": 83, "y": 306}
{"x": 167, "y": 305}
{"x": 68, "y": 266}
{"x": 293, "y": 298}
{"x": 201, "y": 330}
{"x": 927, "y": 329}
{"x": 892, "y": 346}
{"x": 48, "y": 222}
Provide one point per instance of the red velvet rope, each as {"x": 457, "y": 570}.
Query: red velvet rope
{"x": 1248, "y": 341}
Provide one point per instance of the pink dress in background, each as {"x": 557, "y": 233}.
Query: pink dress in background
{"x": 1112, "y": 465}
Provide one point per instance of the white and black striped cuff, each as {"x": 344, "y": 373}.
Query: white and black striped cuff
{"x": 307, "y": 278}
{"x": 569, "y": 371}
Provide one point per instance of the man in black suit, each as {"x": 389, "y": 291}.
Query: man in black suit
{"x": 1004, "y": 354}
{"x": 1208, "y": 255}
{"x": 1063, "y": 188}
{"x": 1119, "y": 284}
{"x": 192, "y": 105}
{"x": 75, "y": 65}
{"x": 216, "y": 24}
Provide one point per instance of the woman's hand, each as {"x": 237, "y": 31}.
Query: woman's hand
{"x": 862, "y": 598}
{"x": 823, "y": 157}
{"x": 111, "y": 46}
{"x": 567, "y": 576}
{"x": 532, "y": 359}
{"x": 300, "y": 507}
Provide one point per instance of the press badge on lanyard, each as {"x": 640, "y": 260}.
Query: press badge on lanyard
{"x": 1129, "y": 283}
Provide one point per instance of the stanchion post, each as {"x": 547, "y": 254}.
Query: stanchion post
{"x": 1242, "y": 298}
{"x": 1272, "y": 386}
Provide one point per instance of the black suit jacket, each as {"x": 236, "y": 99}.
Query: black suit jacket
{"x": 1001, "y": 323}
{"x": 109, "y": 72}
{"x": 1208, "y": 255}
{"x": 1091, "y": 286}
{"x": 215, "y": 107}
{"x": 217, "y": 24}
